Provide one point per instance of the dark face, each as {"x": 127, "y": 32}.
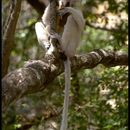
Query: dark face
{"x": 67, "y": 4}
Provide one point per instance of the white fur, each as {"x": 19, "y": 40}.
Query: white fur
{"x": 72, "y": 31}
{"x": 42, "y": 35}
{"x": 46, "y": 16}
{"x": 69, "y": 42}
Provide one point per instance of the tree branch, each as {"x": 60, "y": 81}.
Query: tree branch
{"x": 36, "y": 74}
{"x": 101, "y": 27}
{"x": 38, "y": 6}
{"x": 9, "y": 32}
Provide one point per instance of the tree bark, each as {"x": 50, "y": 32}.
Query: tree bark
{"x": 36, "y": 74}
{"x": 38, "y": 6}
{"x": 9, "y": 32}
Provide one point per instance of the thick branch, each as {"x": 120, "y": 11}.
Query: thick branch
{"x": 9, "y": 31}
{"x": 36, "y": 75}
{"x": 100, "y": 56}
{"x": 38, "y": 6}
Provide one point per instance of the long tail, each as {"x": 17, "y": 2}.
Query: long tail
{"x": 66, "y": 98}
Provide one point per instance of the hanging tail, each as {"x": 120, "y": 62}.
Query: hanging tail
{"x": 66, "y": 98}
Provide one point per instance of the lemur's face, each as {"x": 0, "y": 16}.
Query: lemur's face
{"x": 67, "y": 3}
{"x": 64, "y": 3}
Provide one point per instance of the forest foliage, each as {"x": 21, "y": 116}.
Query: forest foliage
{"x": 98, "y": 97}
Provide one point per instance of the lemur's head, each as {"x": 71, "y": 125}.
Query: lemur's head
{"x": 64, "y": 3}
{"x": 67, "y": 3}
